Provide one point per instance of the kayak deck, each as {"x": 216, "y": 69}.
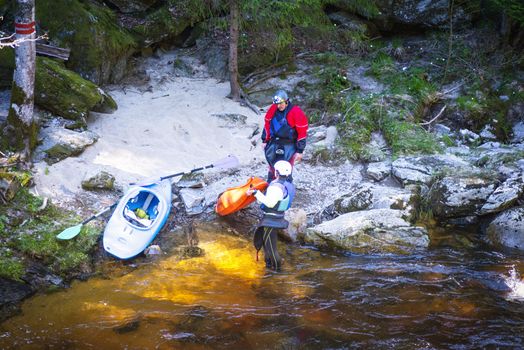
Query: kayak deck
{"x": 137, "y": 219}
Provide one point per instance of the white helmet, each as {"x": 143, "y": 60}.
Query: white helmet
{"x": 283, "y": 168}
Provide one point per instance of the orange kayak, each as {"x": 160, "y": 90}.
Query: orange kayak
{"x": 235, "y": 198}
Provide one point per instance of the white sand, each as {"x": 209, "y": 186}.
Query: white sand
{"x": 167, "y": 130}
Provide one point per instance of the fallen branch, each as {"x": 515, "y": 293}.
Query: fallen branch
{"x": 248, "y": 103}
{"x": 262, "y": 71}
{"x": 436, "y": 117}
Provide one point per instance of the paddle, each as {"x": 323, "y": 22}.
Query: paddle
{"x": 228, "y": 162}
{"x": 73, "y": 231}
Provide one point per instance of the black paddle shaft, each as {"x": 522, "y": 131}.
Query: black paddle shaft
{"x": 186, "y": 172}
{"x": 105, "y": 210}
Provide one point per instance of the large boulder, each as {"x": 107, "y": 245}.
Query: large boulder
{"x": 505, "y": 195}
{"x": 67, "y": 94}
{"x": 377, "y": 230}
{"x": 62, "y": 91}
{"x": 459, "y": 196}
{"x": 420, "y": 170}
{"x": 429, "y": 14}
{"x": 508, "y": 229}
{"x": 59, "y": 143}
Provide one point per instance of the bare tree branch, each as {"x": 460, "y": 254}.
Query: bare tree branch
{"x": 8, "y": 41}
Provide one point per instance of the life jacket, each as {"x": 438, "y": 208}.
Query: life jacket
{"x": 285, "y": 203}
{"x": 279, "y": 129}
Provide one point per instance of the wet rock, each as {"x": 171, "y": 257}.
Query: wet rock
{"x": 504, "y": 195}
{"x": 458, "y": 196}
{"x": 507, "y": 229}
{"x": 463, "y": 221}
{"x": 194, "y": 200}
{"x": 153, "y": 250}
{"x": 101, "y": 181}
{"x": 11, "y": 293}
{"x": 297, "y": 219}
{"x": 376, "y": 230}
{"x": 128, "y": 327}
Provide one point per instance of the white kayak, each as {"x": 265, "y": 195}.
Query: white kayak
{"x": 137, "y": 219}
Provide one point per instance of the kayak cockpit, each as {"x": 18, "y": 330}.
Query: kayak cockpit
{"x": 141, "y": 210}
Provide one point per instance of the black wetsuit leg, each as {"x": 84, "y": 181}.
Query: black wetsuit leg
{"x": 270, "y": 249}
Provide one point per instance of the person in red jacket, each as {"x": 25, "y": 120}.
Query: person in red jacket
{"x": 285, "y": 132}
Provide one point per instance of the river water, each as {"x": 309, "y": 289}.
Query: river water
{"x": 447, "y": 297}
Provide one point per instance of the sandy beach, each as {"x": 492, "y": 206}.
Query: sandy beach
{"x": 177, "y": 124}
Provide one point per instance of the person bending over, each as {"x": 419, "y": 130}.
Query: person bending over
{"x": 277, "y": 199}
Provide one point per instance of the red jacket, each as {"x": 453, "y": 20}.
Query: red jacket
{"x": 296, "y": 120}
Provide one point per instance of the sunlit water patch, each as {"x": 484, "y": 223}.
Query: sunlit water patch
{"x": 439, "y": 299}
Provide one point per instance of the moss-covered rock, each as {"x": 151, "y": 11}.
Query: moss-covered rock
{"x": 159, "y": 25}
{"x": 66, "y": 93}
{"x": 99, "y": 46}
{"x": 60, "y": 90}
{"x": 100, "y": 181}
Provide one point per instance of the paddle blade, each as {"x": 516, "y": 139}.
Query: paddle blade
{"x": 230, "y": 161}
{"x": 70, "y": 232}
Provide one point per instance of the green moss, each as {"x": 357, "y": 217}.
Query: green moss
{"x": 448, "y": 141}
{"x": 333, "y": 81}
{"x": 60, "y": 255}
{"x": 21, "y": 132}
{"x": 407, "y": 138}
{"x": 33, "y": 235}
{"x": 89, "y": 30}
{"x": 64, "y": 92}
{"x": 10, "y": 266}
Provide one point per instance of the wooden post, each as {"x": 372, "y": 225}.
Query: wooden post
{"x": 21, "y": 130}
{"x": 233, "y": 49}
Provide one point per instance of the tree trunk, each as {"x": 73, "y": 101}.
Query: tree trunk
{"x": 21, "y": 129}
{"x": 233, "y": 49}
